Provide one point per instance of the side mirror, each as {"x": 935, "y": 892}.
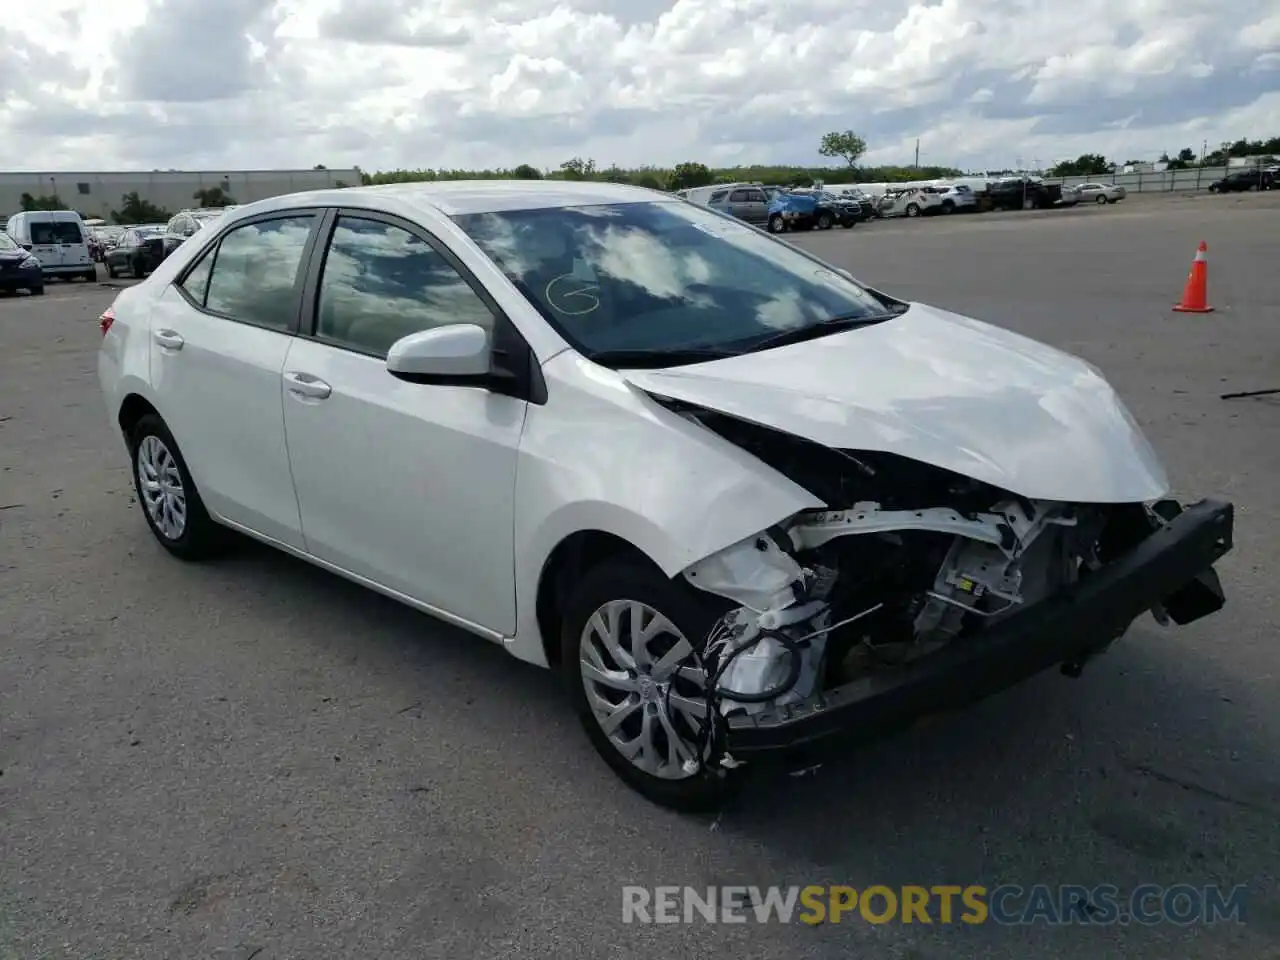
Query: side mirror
{"x": 26, "y": 247}
{"x": 449, "y": 354}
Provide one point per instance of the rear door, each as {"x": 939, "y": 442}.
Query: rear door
{"x": 220, "y": 335}
{"x": 45, "y": 244}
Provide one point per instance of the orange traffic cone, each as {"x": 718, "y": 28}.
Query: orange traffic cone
{"x": 1195, "y": 295}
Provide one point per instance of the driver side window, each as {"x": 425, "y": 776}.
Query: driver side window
{"x": 380, "y": 283}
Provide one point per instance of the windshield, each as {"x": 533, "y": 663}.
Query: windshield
{"x": 6, "y": 243}
{"x": 662, "y": 276}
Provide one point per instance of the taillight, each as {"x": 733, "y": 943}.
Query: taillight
{"x": 107, "y": 319}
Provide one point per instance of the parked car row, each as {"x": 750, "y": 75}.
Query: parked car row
{"x": 794, "y": 208}
{"x": 44, "y": 244}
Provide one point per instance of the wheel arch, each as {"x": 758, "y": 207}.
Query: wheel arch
{"x": 133, "y": 408}
{"x": 575, "y": 553}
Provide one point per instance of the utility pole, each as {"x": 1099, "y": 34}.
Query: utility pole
{"x": 917, "y": 153}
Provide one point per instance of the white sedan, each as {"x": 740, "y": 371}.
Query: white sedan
{"x": 1101, "y": 193}
{"x": 746, "y": 504}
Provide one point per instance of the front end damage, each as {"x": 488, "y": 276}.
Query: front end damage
{"x": 920, "y": 590}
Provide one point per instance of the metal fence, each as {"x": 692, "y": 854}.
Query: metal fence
{"x": 1164, "y": 181}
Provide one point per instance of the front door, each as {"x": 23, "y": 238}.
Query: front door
{"x": 219, "y": 341}
{"x": 408, "y": 485}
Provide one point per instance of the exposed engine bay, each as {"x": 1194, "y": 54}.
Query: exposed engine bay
{"x": 908, "y": 559}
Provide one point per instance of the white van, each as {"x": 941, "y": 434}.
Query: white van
{"x": 58, "y": 239}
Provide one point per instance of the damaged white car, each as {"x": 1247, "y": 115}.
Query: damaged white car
{"x": 744, "y": 503}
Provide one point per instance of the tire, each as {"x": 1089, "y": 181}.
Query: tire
{"x": 693, "y": 614}
{"x": 38, "y": 291}
{"x": 1213, "y": 188}
{"x": 775, "y": 223}
{"x": 91, "y": 276}
{"x": 112, "y": 272}
{"x": 198, "y": 537}
{"x": 1101, "y": 199}
{"x": 825, "y": 221}
{"x": 913, "y": 210}
{"x": 948, "y": 207}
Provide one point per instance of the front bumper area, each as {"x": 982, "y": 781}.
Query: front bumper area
{"x": 1172, "y": 567}
{"x": 29, "y": 278}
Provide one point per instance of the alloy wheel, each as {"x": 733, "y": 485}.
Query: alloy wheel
{"x": 160, "y": 482}
{"x": 644, "y": 688}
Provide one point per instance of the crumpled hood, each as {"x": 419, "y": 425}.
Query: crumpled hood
{"x": 945, "y": 390}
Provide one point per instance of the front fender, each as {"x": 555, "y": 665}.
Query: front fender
{"x": 604, "y": 456}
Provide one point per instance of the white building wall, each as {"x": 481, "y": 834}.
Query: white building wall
{"x": 97, "y": 194}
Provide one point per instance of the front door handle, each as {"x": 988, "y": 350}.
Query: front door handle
{"x": 305, "y": 385}
{"x": 169, "y": 339}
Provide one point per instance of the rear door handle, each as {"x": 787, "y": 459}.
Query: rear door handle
{"x": 169, "y": 339}
{"x": 305, "y": 385}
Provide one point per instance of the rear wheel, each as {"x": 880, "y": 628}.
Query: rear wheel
{"x": 112, "y": 272}
{"x": 630, "y": 644}
{"x": 775, "y": 223}
{"x": 913, "y": 210}
{"x": 170, "y": 502}
{"x": 948, "y": 206}
{"x": 1102, "y": 198}
{"x": 38, "y": 291}
{"x": 91, "y": 275}
{"x": 825, "y": 220}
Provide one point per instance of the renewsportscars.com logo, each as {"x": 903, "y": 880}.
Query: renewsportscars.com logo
{"x": 1007, "y": 905}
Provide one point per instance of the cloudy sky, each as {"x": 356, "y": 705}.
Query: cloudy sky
{"x": 233, "y": 84}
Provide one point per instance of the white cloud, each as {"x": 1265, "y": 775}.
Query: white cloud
{"x": 457, "y": 83}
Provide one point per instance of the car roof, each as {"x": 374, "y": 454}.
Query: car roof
{"x": 460, "y": 197}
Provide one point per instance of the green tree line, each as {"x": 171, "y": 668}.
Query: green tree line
{"x": 1095, "y": 164}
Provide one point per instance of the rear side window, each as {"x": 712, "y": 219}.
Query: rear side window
{"x": 197, "y": 282}
{"x": 255, "y": 273}
{"x": 56, "y": 231}
{"x": 738, "y": 196}
{"x": 718, "y": 196}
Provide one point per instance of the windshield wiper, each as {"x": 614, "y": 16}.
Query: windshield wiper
{"x": 824, "y": 328}
{"x": 674, "y": 357}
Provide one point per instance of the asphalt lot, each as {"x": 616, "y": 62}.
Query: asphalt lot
{"x": 253, "y": 758}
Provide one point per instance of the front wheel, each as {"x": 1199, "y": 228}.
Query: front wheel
{"x": 824, "y": 221}
{"x": 170, "y": 502}
{"x": 913, "y": 210}
{"x": 112, "y": 272}
{"x": 775, "y": 223}
{"x": 1101, "y": 200}
{"x": 630, "y": 645}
